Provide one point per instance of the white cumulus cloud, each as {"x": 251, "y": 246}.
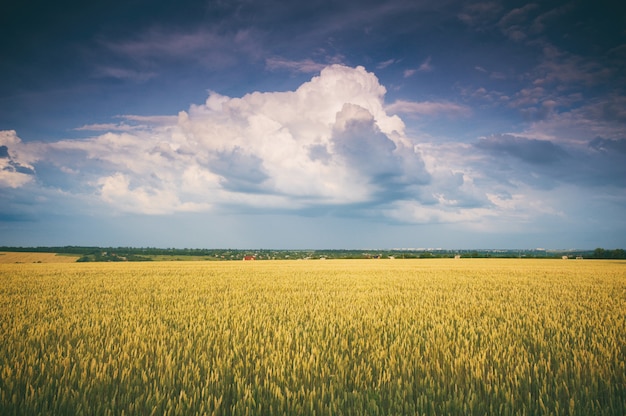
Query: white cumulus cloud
{"x": 332, "y": 145}
{"x": 330, "y": 142}
{"x": 16, "y": 167}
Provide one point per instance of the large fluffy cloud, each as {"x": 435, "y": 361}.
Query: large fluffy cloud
{"x": 306, "y": 146}
{"x": 331, "y": 145}
{"x": 328, "y": 143}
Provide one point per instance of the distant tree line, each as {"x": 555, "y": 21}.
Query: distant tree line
{"x": 600, "y": 253}
{"x": 112, "y": 257}
{"x": 89, "y": 253}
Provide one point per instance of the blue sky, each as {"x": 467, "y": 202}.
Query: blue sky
{"x": 319, "y": 124}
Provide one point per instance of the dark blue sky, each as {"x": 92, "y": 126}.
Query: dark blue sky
{"x": 313, "y": 124}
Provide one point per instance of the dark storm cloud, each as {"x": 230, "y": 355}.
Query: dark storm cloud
{"x": 545, "y": 165}
{"x": 240, "y": 170}
{"x": 319, "y": 152}
{"x": 12, "y": 165}
{"x": 375, "y": 157}
{"x": 367, "y": 149}
{"x": 21, "y": 169}
{"x": 606, "y": 165}
{"x": 532, "y": 151}
{"x": 609, "y": 145}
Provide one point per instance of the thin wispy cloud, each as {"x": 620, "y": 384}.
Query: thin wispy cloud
{"x": 205, "y": 47}
{"x": 130, "y": 122}
{"x": 428, "y": 108}
{"x": 124, "y": 74}
{"x": 385, "y": 64}
{"x": 426, "y": 66}
{"x": 304, "y": 66}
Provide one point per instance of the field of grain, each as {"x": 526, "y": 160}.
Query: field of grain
{"x": 12, "y": 257}
{"x": 354, "y": 337}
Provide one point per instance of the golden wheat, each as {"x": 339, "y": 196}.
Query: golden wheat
{"x": 432, "y": 337}
{"x": 28, "y": 257}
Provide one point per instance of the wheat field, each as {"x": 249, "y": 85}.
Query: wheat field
{"x": 27, "y": 257}
{"x": 353, "y": 337}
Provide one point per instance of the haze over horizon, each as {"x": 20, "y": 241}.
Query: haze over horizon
{"x": 316, "y": 125}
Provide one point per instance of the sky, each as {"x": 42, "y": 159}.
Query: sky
{"x": 313, "y": 125}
